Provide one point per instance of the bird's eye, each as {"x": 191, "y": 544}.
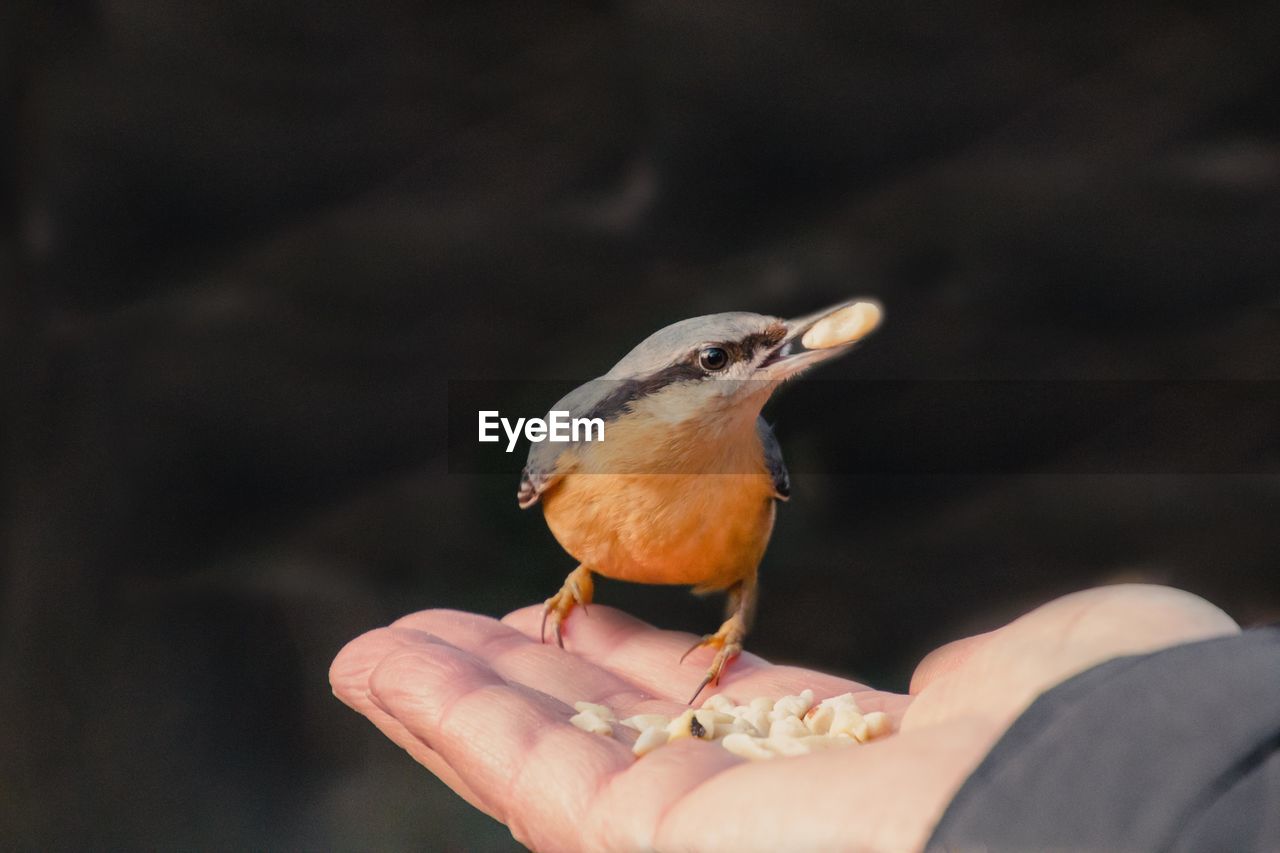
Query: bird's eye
{"x": 713, "y": 358}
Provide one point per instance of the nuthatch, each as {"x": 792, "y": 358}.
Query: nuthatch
{"x": 682, "y": 488}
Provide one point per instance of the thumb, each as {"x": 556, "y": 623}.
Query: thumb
{"x": 945, "y": 659}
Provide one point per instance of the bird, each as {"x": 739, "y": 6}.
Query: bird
{"x": 683, "y": 485}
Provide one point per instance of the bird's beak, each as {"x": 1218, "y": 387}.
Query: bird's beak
{"x": 817, "y": 337}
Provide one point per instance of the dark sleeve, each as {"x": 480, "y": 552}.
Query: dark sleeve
{"x": 1176, "y": 750}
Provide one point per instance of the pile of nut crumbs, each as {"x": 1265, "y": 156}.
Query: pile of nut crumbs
{"x": 761, "y": 729}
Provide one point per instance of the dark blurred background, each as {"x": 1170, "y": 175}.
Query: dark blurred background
{"x": 246, "y": 245}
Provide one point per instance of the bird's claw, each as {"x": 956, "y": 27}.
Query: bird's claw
{"x": 542, "y": 634}
{"x": 577, "y": 590}
{"x": 706, "y": 640}
{"x": 728, "y": 651}
{"x": 728, "y": 644}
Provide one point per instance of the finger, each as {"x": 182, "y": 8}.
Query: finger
{"x": 649, "y": 658}
{"x": 349, "y": 677}
{"x": 513, "y": 746}
{"x": 520, "y": 659}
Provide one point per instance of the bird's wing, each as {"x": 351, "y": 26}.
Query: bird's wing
{"x": 534, "y": 480}
{"x": 541, "y": 468}
{"x": 773, "y": 460}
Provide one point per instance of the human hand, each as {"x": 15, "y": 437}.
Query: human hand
{"x": 485, "y": 706}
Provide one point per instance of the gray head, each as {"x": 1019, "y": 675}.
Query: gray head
{"x": 720, "y": 368}
{"x": 707, "y": 365}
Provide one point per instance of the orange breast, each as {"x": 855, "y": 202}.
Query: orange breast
{"x": 704, "y": 528}
{"x": 708, "y": 530}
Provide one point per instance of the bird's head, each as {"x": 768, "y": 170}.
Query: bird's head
{"x": 706, "y": 378}
{"x": 723, "y": 367}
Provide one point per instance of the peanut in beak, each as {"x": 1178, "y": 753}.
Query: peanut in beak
{"x": 843, "y": 326}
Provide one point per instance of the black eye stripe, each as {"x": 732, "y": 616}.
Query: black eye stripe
{"x": 746, "y": 348}
{"x": 626, "y": 392}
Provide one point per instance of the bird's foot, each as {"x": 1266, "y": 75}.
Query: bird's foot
{"x": 728, "y": 642}
{"x": 578, "y": 588}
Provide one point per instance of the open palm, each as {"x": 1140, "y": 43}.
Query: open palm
{"x": 485, "y": 706}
